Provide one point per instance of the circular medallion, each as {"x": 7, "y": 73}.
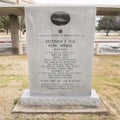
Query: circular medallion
{"x": 60, "y": 18}
{"x": 60, "y": 31}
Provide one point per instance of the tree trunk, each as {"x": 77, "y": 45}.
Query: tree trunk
{"x": 107, "y": 32}
{"x": 7, "y": 31}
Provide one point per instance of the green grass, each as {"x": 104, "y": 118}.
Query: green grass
{"x": 6, "y": 79}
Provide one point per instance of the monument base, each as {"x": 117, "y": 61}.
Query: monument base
{"x": 92, "y": 100}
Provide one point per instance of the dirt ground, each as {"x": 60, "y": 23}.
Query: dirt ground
{"x": 13, "y": 81}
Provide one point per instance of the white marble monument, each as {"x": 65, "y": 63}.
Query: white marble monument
{"x": 60, "y": 42}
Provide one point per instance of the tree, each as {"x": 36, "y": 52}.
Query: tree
{"x": 117, "y": 27}
{"x": 108, "y": 23}
{"x": 1, "y": 25}
{"x": 4, "y": 23}
{"x": 22, "y": 25}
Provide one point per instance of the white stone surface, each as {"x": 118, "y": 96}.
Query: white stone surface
{"x": 53, "y": 68}
{"x": 90, "y": 100}
{"x": 60, "y": 52}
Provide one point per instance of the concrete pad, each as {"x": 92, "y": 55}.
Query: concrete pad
{"x": 60, "y": 109}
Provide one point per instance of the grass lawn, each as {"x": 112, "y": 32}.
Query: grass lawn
{"x": 13, "y": 81}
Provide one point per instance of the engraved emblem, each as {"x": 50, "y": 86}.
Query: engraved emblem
{"x": 60, "y": 18}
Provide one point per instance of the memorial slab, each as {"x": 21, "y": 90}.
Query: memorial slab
{"x": 60, "y": 53}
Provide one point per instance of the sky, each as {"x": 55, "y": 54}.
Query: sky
{"x": 98, "y": 2}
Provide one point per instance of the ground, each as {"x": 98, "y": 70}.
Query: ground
{"x": 13, "y": 81}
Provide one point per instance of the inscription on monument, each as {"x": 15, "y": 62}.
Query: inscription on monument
{"x": 60, "y": 66}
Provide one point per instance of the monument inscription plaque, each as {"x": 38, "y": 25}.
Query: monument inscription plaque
{"x": 60, "y": 51}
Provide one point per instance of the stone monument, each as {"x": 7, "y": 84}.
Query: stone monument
{"x": 60, "y": 43}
